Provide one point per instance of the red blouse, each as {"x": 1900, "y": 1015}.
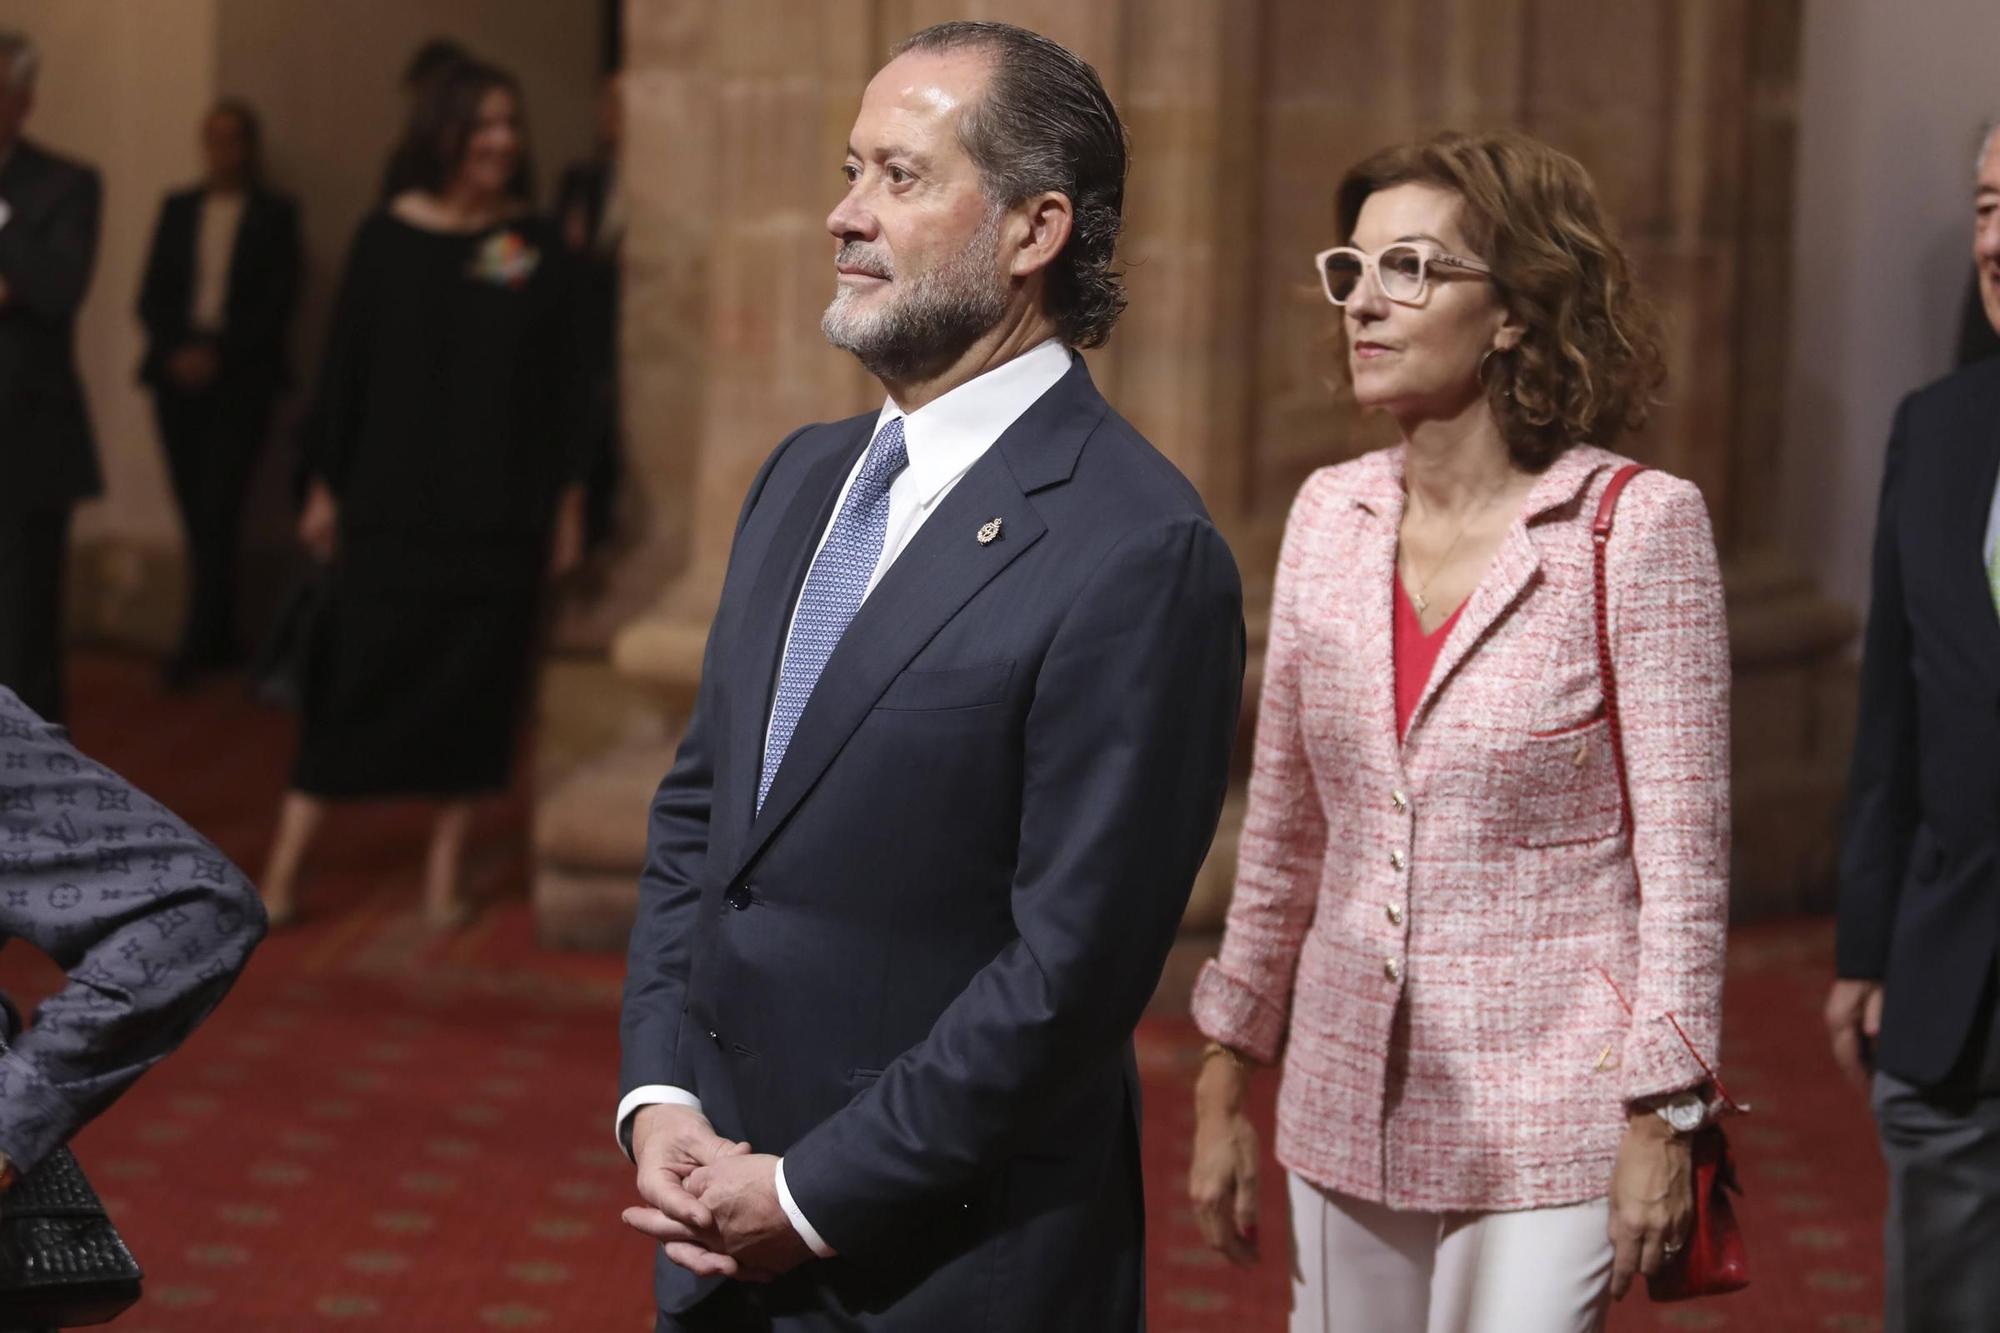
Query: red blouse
{"x": 1416, "y": 654}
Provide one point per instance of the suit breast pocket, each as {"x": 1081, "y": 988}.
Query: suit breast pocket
{"x": 953, "y": 687}
{"x": 1568, "y": 786}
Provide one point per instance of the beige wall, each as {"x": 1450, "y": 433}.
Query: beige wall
{"x": 1891, "y": 103}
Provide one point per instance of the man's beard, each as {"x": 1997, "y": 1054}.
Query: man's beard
{"x": 931, "y": 323}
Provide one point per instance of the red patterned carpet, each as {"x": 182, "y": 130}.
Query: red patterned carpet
{"x": 382, "y": 1130}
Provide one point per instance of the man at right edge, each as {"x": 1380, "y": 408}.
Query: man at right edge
{"x": 1913, "y": 1013}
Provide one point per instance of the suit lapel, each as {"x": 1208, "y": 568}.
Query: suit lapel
{"x": 941, "y": 570}
{"x": 775, "y": 591}
{"x": 1514, "y": 567}
{"x": 1965, "y": 537}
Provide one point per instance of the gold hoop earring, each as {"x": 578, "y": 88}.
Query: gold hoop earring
{"x": 1480, "y": 374}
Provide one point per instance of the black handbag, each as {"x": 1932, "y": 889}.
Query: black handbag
{"x": 62, "y": 1263}
{"x": 278, "y": 675}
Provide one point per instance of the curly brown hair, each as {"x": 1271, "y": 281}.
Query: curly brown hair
{"x": 1589, "y": 365}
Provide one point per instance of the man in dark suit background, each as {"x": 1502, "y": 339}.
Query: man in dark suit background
{"x": 48, "y": 460}
{"x": 1919, "y": 929}
{"x": 960, "y": 745}
{"x": 221, "y": 282}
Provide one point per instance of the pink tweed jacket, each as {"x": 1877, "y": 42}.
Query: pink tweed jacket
{"x": 1436, "y": 933}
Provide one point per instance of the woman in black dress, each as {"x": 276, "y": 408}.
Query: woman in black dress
{"x": 443, "y": 485}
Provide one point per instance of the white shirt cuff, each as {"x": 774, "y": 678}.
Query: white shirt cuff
{"x": 798, "y": 1219}
{"x": 651, "y": 1094}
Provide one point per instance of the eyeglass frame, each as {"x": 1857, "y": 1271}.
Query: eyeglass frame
{"x": 1371, "y": 268}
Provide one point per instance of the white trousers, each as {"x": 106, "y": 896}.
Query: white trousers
{"x": 1362, "y": 1268}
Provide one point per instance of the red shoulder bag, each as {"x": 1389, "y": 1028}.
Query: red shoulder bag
{"x": 1712, "y": 1261}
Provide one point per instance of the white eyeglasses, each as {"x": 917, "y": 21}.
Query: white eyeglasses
{"x": 1402, "y": 271}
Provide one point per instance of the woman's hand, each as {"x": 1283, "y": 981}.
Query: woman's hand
{"x": 319, "y": 523}
{"x": 1652, "y": 1199}
{"x": 1222, "y": 1177}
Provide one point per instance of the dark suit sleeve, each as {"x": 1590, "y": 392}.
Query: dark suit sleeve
{"x": 1882, "y": 813}
{"x": 164, "y": 317}
{"x": 656, "y": 964}
{"x": 47, "y": 268}
{"x": 1127, "y": 751}
{"x": 149, "y": 920}
{"x": 327, "y": 434}
{"x": 259, "y": 324}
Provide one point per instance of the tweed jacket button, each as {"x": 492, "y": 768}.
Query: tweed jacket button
{"x": 1396, "y": 857}
{"x": 1395, "y": 914}
{"x": 1392, "y": 969}
{"x": 1400, "y": 801}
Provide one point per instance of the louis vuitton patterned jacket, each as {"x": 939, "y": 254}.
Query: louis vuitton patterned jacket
{"x": 151, "y": 923}
{"x": 1440, "y": 936}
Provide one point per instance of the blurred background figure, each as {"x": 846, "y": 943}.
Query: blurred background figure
{"x": 48, "y": 458}
{"x": 443, "y": 466}
{"x": 221, "y": 284}
{"x": 589, "y": 214}
{"x": 428, "y": 65}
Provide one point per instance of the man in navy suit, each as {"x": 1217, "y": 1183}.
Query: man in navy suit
{"x": 960, "y": 746}
{"x": 48, "y": 457}
{"x": 1916, "y": 1011}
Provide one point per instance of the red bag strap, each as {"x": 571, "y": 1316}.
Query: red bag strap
{"x": 1600, "y": 537}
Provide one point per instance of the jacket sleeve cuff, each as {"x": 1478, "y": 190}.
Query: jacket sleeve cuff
{"x": 1658, "y": 1064}
{"x": 812, "y": 1238}
{"x": 652, "y": 1094}
{"x": 1231, "y": 1012}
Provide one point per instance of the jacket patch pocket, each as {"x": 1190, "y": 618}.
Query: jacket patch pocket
{"x": 1568, "y": 787}
{"x": 956, "y": 687}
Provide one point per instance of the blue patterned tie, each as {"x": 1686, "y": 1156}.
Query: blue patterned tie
{"x": 833, "y": 592}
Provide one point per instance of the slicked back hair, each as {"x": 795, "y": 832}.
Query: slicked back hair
{"x": 1044, "y": 124}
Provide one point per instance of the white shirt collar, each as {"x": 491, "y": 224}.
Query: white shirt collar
{"x": 947, "y": 435}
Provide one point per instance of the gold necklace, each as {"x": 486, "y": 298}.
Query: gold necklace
{"x": 1417, "y": 598}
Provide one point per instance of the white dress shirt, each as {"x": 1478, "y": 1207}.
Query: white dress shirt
{"x": 1992, "y": 532}
{"x": 944, "y": 438}
{"x": 215, "y": 242}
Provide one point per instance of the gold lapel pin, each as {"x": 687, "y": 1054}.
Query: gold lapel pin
{"x": 989, "y": 532}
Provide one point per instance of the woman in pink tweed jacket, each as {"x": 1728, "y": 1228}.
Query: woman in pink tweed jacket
{"x": 1438, "y": 917}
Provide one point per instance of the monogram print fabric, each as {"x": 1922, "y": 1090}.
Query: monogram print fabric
{"x": 151, "y": 922}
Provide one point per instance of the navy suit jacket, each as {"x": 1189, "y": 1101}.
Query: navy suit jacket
{"x": 915, "y": 974}
{"x": 262, "y": 291}
{"x": 1920, "y": 853}
{"x": 48, "y": 247}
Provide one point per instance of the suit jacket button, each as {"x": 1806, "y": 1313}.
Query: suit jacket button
{"x": 715, "y": 1036}
{"x": 738, "y": 897}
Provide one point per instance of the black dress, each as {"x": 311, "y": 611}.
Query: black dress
{"x": 445, "y": 425}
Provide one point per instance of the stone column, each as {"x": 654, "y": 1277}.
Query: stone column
{"x": 781, "y": 82}
{"x": 738, "y": 124}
